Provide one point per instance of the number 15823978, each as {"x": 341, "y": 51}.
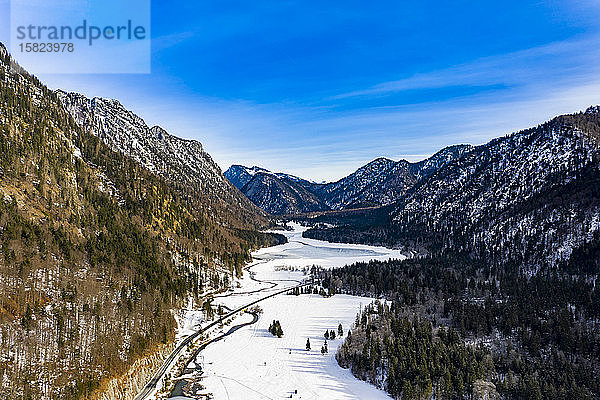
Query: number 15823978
{"x": 46, "y": 47}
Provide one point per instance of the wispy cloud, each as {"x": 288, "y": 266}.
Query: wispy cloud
{"x": 335, "y": 146}
{"x": 511, "y": 69}
{"x": 163, "y": 42}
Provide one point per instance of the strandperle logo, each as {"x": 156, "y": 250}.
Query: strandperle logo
{"x": 84, "y": 31}
{"x": 81, "y": 36}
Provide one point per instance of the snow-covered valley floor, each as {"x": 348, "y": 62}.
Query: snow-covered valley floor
{"x": 253, "y": 364}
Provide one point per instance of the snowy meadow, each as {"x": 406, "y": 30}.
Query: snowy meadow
{"x": 252, "y": 363}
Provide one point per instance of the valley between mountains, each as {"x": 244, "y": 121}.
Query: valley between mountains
{"x": 252, "y": 363}
{"x": 132, "y": 267}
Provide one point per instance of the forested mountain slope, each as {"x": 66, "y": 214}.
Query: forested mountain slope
{"x": 379, "y": 182}
{"x": 281, "y": 195}
{"x": 488, "y": 331}
{"x": 383, "y": 181}
{"x": 530, "y": 198}
{"x": 183, "y": 162}
{"x": 95, "y": 249}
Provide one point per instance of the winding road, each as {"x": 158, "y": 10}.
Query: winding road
{"x": 150, "y": 387}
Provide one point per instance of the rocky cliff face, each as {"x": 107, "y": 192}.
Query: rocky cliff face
{"x": 183, "y": 162}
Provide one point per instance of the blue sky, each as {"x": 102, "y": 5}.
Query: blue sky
{"x": 319, "y": 88}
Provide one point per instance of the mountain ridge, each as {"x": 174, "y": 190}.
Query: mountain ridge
{"x": 529, "y": 198}
{"x": 378, "y": 183}
{"x": 182, "y": 161}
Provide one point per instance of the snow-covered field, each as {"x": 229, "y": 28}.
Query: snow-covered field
{"x": 253, "y": 364}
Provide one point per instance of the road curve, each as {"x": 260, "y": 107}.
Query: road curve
{"x": 176, "y": 353}
{"x": 229, "y": 332}
{"x": 273, "y": 283}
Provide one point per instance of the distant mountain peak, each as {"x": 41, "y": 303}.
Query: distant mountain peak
{"x": 379, "y": 182}
{"x": 240, "y": 175}
{"x": 381, "y": 160}
{"x": 255, "y": 170}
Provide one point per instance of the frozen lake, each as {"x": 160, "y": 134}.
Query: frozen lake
{"x": 253, "y": 364}
{"x": 303, "y": 248}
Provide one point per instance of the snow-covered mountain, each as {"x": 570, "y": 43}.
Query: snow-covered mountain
{"x": 282, "y": 195}
{"x": 530, "y": 198}
{"x": 380, "y": 182}
{"x": 383, "y": 181}
{"x": 240, "y": 175}
{"x": 533, "y": 194}
{"x": 183, "y": 162}
{"x": 429, "y": 166}
{"x": 275, "y": 192}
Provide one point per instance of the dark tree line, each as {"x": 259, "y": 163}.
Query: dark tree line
{"x": 542, "y": 331}
{"x": 409, "y": 359}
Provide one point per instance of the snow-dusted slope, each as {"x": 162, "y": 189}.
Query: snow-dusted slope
{"x": 439, "y": 160}
{"x": 530, "y": 195}
{"x": 183, "y": 162}
{"x": 379, "y": 182}
{"x": 240, "y": 175}
{"x": 281, "y": 194}
{"x": 275, "y": 192}
{"x": 529, "y": 199}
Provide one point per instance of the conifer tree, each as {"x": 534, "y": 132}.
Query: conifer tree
{"x": 275, "y": 328}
